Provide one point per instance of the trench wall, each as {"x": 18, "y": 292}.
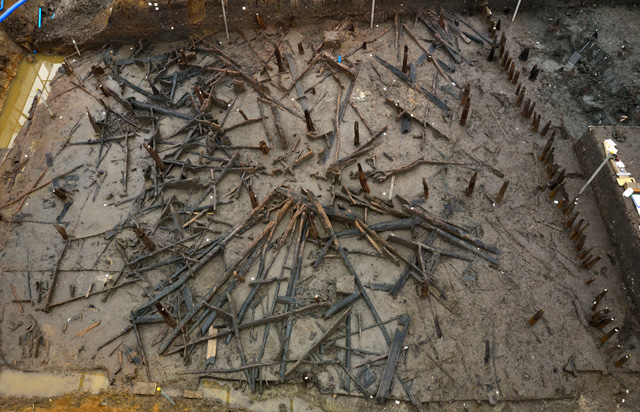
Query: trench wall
{"x": 127, "y": 21}
{"x": 620, "y": 217}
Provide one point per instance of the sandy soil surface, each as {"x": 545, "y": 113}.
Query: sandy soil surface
{"x": 475, "y": 345}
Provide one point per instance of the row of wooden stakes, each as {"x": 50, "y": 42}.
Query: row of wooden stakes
{"x": 574, "y": 223}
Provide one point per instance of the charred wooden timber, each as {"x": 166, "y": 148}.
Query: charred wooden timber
{"x": 418, "y": 245}
{"x": 310, "y": 126}
{"x": 417, "y": 87}
{"x": 533, "y": 75}
{"x": 332, "y": 329}
{"x": 166, "y": 315}
{"x": 145, "y": 360}
{"x": 492, "y": 52}
{"x": 249, "y": 325}
{"x": 54, "y": 278}
{"x": 446, "y": 227}
{"x": 211, "y": 251}
{"x": 392, "y": 360}
{"x": 341, "y": 304}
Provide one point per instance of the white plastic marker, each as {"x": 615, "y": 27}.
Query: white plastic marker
{"x": 224, "y": 16}
{"x": 39, "y": 93}
{"x": 515, "y": 13}
{"x": 593, "y": 176}
{"x": 76, "y": 46}
{"x": 373, "y": 7}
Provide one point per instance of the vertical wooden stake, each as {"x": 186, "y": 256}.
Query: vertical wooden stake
{"x": 405, "y": 66}
{"x": 503, "y": 189}
{"x": 472, "y": 184}
{"x": 465, "y": 94}
{"x": 356, "y": 134}
{"x": 363, "y": 180}
{"x": 465, "y": 113}
{"x": 425, "y": 186}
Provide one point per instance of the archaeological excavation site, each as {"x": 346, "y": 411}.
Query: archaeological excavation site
{"x": 321, "y": 205}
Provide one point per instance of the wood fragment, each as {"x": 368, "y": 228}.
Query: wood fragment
{"x": 502, "y": 191}
{"x": 13, "y": 289}
{"x": 356, "y": 134}
{"x": 212, "y": 347}
{"x": 465, "y": 113}
{"x": 355, "y": 109}
{"x": 332, "y": 329}
{"x": 165, "y": 315}
{"x": 382, "y": 175}
{"x": 465, "y": 94}
{"x": 139, "y": 341}
{"x": 56, "y": 272}
{"x": 414, "y": 85}
{"x": 308, "y": 155}
{"x": 363, "y": 180}
{"x": 472, "y": 184}
{"x": 535, "y": 318}
{"x": 62, "y": 231}
{"x": 144, "y": 238}
{"x": 251, "y": 324}
{"x": 392, "y": 359}
{"x": 155, "y": 156}
{"x": 87, "y": 329}
{"x": 337, "y": 167}
{"x": 455, "y": 235}
{"x": 333, "y": 62}
{"x": 425, "y": 187}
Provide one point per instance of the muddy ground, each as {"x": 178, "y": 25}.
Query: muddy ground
{"x": 489, "y": 305}
{"x": 108, "y": 402}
